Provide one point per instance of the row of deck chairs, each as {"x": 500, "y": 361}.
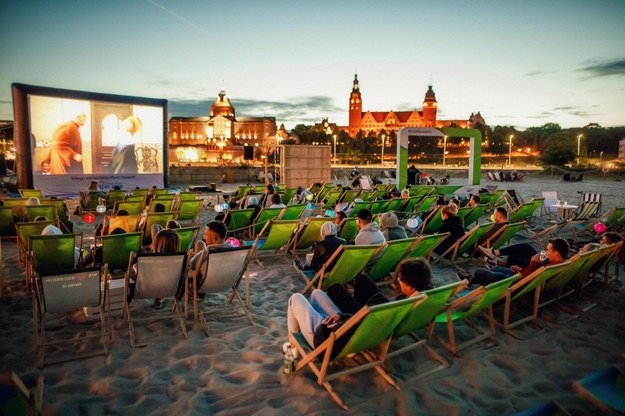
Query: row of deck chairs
{"x": 376, "y": 333}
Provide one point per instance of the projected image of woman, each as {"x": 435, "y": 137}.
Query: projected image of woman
{"x": 124, "y": 158}
{"x": 66, "y": 152}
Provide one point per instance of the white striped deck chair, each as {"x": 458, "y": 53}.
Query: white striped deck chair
{"x": 591, "y": 197}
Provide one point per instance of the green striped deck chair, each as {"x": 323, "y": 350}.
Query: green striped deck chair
{"x": 239, "y": 220}
{"x": 426, "y": 245}
{"x": 189, "y": 210}
{"x": 332, "y": 198}
{"x": 350, "y": 261}
{"x": 31, "y": 193}
{"x": 421, "y": 191}
{"x": 17, "y": 204}
{"x": 447, "y": 190}
{"x": 464, "y": 211}
{"x": 473, "y": 303}
{"x": 466, "y": 243}
{"x": 307, "y": 234}
{"x": 393, "y": 253}
{"x": 524, "y": 286}
{"x": 168, "y": 203}
{"x": 323, "y": 192}
{"x": 476, "y": 213}
{"x": 421, "y": 318}
{"x": 288, "y": 195}
{"x": 116, "y": 250}
{"x": 24, "y": 230}
{"x": 357, "y": 207}
{"x": 264, "y": 216}
{"x": 187, "y": 237}
{"x": 47, "y": 211}
{"x": 140, "y": 192}
{"x": 371, "y": 328}
{"x": 349, "y": 195}
{"x": 156, "y": 218}
{"x": 432, "y": 223}
{"x": 187, "y": 196}
{"x": 132, "y": 207}
{"x": 504, "y": 236}
{"x": 114, "y": 195}
{"x": 425, "y": 204}
{"x": 393, "y": 205}
{"x": 7, "y": 222}
{"x": 379, "y": 206}
{"x": 61, "y": 207}
{"x": 274, "y": 236}
{"x": 408, "y": 206}
{"x": 526, "y": 211}
{"x": 293, "y": 212}
{"x": 349, "y": 230}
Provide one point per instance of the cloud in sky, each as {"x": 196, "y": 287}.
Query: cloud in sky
{"x": 309, "y": 109}
{"x": 606, "y": 68}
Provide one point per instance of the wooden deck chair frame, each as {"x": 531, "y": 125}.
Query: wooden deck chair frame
{"x": 265, "y": 216}
{"x": 189, "y": 210}
{"x": 157, "y": 275}
{"x": 503, "y": 236}
{"x": 480, "y": 300}
{"x": 323, "y": 192}
{"x": 523, "y": 287}
{"x": 17, "y": 398}
{"x": 187, "y": 237}
{"x": 466, "y": 243}
{"x": 308, "y": 233}
{"x": 332, "y": 198}
{"x": 349, "y": 195}
{"x": 592, "y": 197}
{"x": 66, "y": 292}
{"x": 372, "y": 327}
{"x": 601, "y": 390}
{"x": 392, "y": 253}
{"x": 424, "y": 247}
{"x": 25, "y": 229}
{"x": 432, "y": 223}
{"x": 421, "y": 318}
{"x": 220, "y": 270}
{"x": 350, "y": 261}
{"x": 274, "y": 236}
{"x": 513, "y": 199}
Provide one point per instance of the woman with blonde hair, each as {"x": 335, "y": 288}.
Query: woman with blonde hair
{"x": 124, "y": 159}
{"x": 451, "y": 224}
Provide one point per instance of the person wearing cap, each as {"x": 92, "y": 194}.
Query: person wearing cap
{"x": 389, "y": 224}
{"x": 368, "y": 231}
{"x": 557, "y": 252}
{"x": 324, "y": 249}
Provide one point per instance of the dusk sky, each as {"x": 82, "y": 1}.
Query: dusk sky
{"x": 520, "y": 63}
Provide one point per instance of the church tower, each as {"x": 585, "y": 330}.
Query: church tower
{"x": 222, "y": 106}
{"x": 429, "y": 108}
{"x": 355, "y": 109}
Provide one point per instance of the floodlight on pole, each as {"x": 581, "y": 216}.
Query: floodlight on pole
{"x": 510, "y": 150}
{"x": 579, "y": 141}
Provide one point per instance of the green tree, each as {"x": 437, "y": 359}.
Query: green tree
{"x": 559, "y": 149}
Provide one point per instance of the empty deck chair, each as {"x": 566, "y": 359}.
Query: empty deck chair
{"x": 113, "y": 196}
{"x": 371, "y": 327}
{"x": 473, "y": 303}
{"x": 274, "y": 236}
{"x": 189, "y": 210}
{"x": 59, "y": 294}
{"x": 157, "y": 275}
{"x": 593, "y": 197}
{"x": 604, "y": 389}
{"x": 550, "y": 198}
{"x": 427, "y": 244}
{"x": 222, "y": 271}
{"x": 525, "y": 211}
{"x": 513, "y": 199}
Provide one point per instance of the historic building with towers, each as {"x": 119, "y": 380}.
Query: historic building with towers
{"x": 376, "y": 121}
{"x": 219, "y": 138}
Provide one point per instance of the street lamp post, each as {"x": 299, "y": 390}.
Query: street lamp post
{"x": 444, "y": 149}
{"x": 334, "y": 139}
{"x": 383, "y": 137}
{"x": 510, "y": 150}
{"x": 579, "y": 138}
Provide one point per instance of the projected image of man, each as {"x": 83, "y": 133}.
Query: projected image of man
{"x": 66, "y": 151}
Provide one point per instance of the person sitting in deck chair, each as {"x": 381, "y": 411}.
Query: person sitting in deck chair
{"x": 324, "y": 249}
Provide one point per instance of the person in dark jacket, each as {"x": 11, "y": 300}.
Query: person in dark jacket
{"x": 324, "y": 249}
{"x": 451, "y": 224}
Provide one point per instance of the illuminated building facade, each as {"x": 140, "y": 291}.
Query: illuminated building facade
{"x": 376, "y": 121}
{"x": 219, "y": 138}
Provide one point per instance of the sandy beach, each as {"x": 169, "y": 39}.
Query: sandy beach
{"x": 238, "y": 369}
